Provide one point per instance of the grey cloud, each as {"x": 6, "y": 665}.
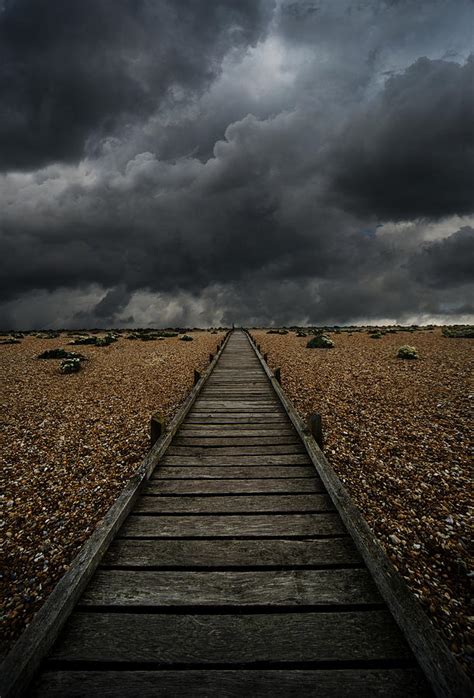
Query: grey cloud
{"x": 411, "y": 152}
{"x": 71, "y": 73}
{"x": 447, "y": 263}
{"x": 252, "y": 193}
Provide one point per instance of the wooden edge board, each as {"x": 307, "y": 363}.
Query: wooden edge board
{"x": 441, "y": 669}
{"x": 22, "y": 662}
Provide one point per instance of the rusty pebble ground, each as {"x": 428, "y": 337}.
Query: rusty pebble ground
{"x": 70, "y": 443}
{"x": 398, "y": 435}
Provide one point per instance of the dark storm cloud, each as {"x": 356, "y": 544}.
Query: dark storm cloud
{"x": 411, "y": 153}
{"x": 72, "y": 72}
{"x": 247, "y": 185}
{"x": 447, "y": 262}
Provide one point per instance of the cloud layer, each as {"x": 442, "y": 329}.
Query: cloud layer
{"x": 253, "y": 162}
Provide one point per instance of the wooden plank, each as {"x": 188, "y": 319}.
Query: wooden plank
{"x": 237, "y": 393}
{"x": 216, "y": 451}
{"x": 441, "y": 669}
{"x": 210, "y": 431}
{"x": 167, "y": 639}
{"x": 234, "y": 419}
{"x": 231, "y": 683}
{"x": 237, "y": 405}
{"x": 238, "y": 412}
{"x": 233, "y": 504}
{"x": 253, "y": 526}
{"x": 269, "y": 589}
{"x": 210, "y": 459}
{"x": 242, "y": 385}
{"x": 247, "y": 486}
{"x": 231, "y": 432}
{"x": 230, "y": 472}
{"x": 231, "y": 553}
{"x": 233, "y": 383}
{"x": 236, "y": 439}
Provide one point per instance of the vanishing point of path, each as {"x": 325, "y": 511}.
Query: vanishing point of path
{"x": 234, "y": 575}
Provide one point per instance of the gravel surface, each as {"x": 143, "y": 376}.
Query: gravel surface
{"x": 70, "y": 443}
{"x": 397, "y": 433}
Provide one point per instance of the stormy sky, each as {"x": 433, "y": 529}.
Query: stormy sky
{"x": 181, "y": 162}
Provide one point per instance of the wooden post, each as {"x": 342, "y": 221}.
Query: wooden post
{"x": 278, "y": 374}
{"x": 211, "y": 357}
{"x": 265, "y": 358}
{"x": 157, "y": 427}
{"x": 258, "y": 347}
{"x": 316, "y": 429}
{"x": 197, "y": 376}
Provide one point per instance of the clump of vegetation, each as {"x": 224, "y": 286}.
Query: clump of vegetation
{"x": 277, "y": 331}
{"x": 96, "y": 341}
{"x": 407, "y": 352}
{"x": 60, "y": 354}
{"x": 320, "y": 341}
{"x": 105, "y": 341}
{"x": 186, "y": 338}
{"x": 70, "y": 366}
{"x": 84, "y": 340}
{"x": 459, "y": 331}
{"x": 376, "y": 334}
{"x": 10, "y": 340}
{"x": 50, "y": 334}
{"x": 151, "y": 335}
{"x": 301, "y": 334}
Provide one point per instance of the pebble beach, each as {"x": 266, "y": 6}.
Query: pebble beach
{"x": 398, "y": 435}
{"x": 69, "y": 443}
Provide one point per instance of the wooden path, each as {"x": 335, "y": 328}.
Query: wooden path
{"x": 233, "y": 575}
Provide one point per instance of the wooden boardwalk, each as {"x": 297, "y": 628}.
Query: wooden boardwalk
{"x": 233, "y": 575}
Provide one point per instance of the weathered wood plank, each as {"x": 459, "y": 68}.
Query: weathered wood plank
{"x": 236, "y": 388}
{"x": 166, "y": 639}
{"x": 247, "y": 486}
{"x": 224, "y": 395}
{"x": 235, "y": 439}
{"x": 220, "y": 431}
{"x": 277, "y": 419}
{"x": 271, "y": 589}
{"x": 264, "y": 411}
{"x": 229, "y": 472}
{"x": 260, "y": 405}
{"x": 350, "y": 683}
{"x": 240, "y": 459}
{"x": 215, "y": 452}
{"x": 231, "y": 553}
{"x": 233, "y": 504}
{"x": 254, "y": 526}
